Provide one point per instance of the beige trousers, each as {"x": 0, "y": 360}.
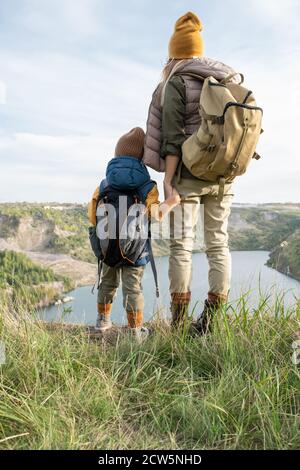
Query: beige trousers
{"x": 133, "y": 298}
{"x": 215, "y": 222}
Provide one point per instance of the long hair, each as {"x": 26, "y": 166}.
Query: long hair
{"x": 168, "y": 71}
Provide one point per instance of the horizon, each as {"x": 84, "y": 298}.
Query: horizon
{"x": 75, "y": 75}
{"x": 85, "y": 203}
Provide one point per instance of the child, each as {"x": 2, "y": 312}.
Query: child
{"x": 125, "y": 173}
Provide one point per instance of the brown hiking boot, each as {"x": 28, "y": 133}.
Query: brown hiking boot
{"x": 203, "y": 324}
{"x": 179, "y": 309}
{"x": 179, "y": 315}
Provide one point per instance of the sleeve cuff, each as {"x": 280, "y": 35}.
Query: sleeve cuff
{"x": 169, "y": 148}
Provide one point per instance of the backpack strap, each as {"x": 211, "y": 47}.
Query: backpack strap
{"x": 229, "y": 77}
{"x": 221, "y": 188}
{"x": 100, "y": 265}
{"x": 191, "y": 74}
{"x": 153, "y": 267}
{"x": 214, "y": 119}
{"x": 103, "y": 187}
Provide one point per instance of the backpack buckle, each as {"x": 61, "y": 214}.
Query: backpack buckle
{"x": 211, "y": 147}
{"x": 220, "y": 120}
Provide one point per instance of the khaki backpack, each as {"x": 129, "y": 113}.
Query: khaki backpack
{"x": 226, "y": 140}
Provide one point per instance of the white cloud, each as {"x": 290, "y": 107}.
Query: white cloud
{"x": 46, "y": 168}
{"x": 275, "y": 12}
{"x": 52, "y": 168}
{"x": 78, "y": 109}
{"x": 68, "y": 94}
{"x": 2, "y": 92}
{"x": 73, "y": 17}
{"x": 68, "y": 104}
{"x": 274, "y": 81}
{"x": 70, "y": 113}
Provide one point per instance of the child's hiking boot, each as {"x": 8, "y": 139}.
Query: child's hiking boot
{"x": 135, "y": 321}
{"x": 140, "y": 334}
{"x": 103, "y": 322}
{"x": 135, "y": 318}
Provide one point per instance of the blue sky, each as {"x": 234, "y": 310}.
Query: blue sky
{"x": 76, "y": 74}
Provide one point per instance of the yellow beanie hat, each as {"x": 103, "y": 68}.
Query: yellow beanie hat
{"x": 186, "y": 41}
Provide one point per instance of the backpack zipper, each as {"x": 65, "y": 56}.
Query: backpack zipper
{"x": 234, "y": 165}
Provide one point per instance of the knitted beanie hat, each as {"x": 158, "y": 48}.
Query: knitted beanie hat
{"x": 186, "y": 41}
{"x": 131, "y": 144}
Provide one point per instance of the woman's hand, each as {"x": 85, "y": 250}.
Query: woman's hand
{"x": 171, "y": 166}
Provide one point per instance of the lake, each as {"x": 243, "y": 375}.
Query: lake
{"x": 250, "y": 276}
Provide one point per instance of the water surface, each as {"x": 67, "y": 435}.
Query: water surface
{"x": 250, "y": 277}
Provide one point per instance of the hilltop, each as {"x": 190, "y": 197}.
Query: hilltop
{"x": 238, "y": 388}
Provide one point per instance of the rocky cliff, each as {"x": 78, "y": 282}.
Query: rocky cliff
{"x": 56, "y": 237}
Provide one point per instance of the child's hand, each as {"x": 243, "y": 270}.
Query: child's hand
{"x": 170, "y": 191}
{"x": 158, "y": 212}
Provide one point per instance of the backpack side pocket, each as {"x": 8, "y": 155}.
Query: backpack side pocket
{"x": 95, "y": 242}
{"x": 198, "y": 153}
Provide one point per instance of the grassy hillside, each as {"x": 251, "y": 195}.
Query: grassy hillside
{"x": 286, "y": 256}
{"x": 52, "y": 228}
{"x": 262, "y": 227}
{"x": 235, "y": 389}
{"x": 26, "y": 283}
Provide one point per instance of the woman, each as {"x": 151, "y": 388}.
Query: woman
{"x": 173, "y": 117}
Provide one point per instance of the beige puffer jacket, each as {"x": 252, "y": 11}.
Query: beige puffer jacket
{"x": 203, "y": 67}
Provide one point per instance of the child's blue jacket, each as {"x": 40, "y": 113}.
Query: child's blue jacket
{"x": 127, "y": 173}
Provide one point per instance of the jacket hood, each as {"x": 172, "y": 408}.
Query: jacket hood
{"x": 206, "y": 67}
{"x": 126, "y": 173}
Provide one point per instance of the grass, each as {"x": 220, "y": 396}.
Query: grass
{"x": 234, "y": 389}
{"x": 24, "y": 282}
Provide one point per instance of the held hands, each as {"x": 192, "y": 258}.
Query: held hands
{"x": 170, "y": 191}
{"x": 172, "y": 199}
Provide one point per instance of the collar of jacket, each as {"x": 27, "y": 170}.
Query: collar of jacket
{"x": 126, "y": 173}
{"x": 202, "y": 67}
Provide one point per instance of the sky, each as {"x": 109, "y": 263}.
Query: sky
{"x": 77, "y": 74}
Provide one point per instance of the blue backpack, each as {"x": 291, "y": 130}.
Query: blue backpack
{"x": 122, "y": 235}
